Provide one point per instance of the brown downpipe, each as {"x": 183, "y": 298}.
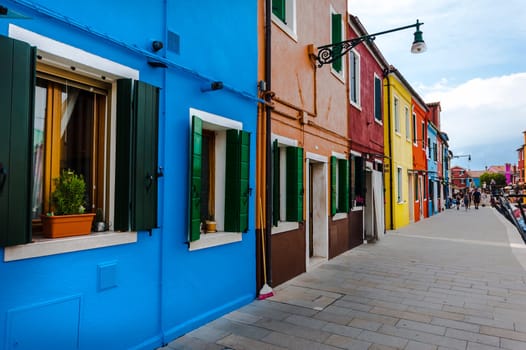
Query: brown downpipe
{"x": 268, "y": 143}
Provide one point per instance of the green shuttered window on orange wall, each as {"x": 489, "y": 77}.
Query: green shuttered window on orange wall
{"x": 295, "y": 192}
{"x": 339, "y": 185}
{"x": 279, "y": 9}
{"x": 336, "y": 26}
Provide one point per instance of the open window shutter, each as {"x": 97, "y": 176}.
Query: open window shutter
{"x": 294, "y": 200}
{"x": 336, "y": 38}
{"x": 136, "y": 156}
{"x": 276, "y": 190}
{"x": 237, "y": 175}
{"x": 195, "y": 180}
{"x": 17, "y": 81}
{"x": 278, "y": 9}
{"x": 343, "y": 200}
{"x": 334, "y": 199}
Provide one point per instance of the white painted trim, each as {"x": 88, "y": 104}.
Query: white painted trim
{"x": 316, "y": 157}
{"x": 339, "y": 216}
{"x": 66, "y": 55}
{"x": 339, "y": 155}
{"x": 214, "y": 119}
{"x": 208, "y": 240}
{"x": 284, "y": 226}
{"x": 282, "y": 140}
{"x": 355, "y": 153}
{"x": 52, "y": 246}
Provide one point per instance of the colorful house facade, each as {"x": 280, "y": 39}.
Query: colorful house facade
{"x": 149, "y": 116}
{"x": 366, "y": 131}
{"x": 398, "y": 149}
{"x": 419, "y": 137}
{"x": 306, "y": 141}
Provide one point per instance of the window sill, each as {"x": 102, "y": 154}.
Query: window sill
{"x": 339, "y": 216}
{"x": 285, "y": 226}
{"x": 208, "y": 240}
{"x": 51, "y": 246}
{"x": 285, "y": 28}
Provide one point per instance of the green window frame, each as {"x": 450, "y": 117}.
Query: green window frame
{"x": 336, "y": 37}
{"x": 135, "y": 196}
{"x": 237, "y": 184}
{"x": 279, "y": 9}
{"x": 291, "y": 195}
{"x": 339, "y": 185}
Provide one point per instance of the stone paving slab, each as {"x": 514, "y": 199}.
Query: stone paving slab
{"x": 456, "y": 280}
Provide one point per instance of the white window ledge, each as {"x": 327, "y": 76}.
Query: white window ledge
{"x": 339, "y": 216}
{"x": 284, "y": 226}
{"x": 207, "y": 240}
{"x": 51, "y": 246}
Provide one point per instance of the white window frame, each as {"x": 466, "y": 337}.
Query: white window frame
{"x": 396, "y": 114}
{"x": 290, "y": 28}
{"x": 407, "y": 124}
{"x": 283, "y": 225}
{"x": 63, "y": 55}
{"x": 218, "y": 124}
{"x": 400, "y": 184}
{"x": 354, "y": 56}
{"x": 379, "y": 121}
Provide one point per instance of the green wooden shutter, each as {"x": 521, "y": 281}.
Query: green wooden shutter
{"x": 294, "y": 200}
{"x": 136, "y": 156}
{"x": 378, "y": 99}
{"x": 195, "y": 178}
{"x": 334, "y": 199}
{"x": 237, "y": 190}
{"x": 17, "y": 84}
{"x": 343, "y": 173}
{"x": 276, "y": 190}
{"x": 279, "y": 9}
{"x": 336, "y": 24}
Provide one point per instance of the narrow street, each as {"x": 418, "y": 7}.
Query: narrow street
{"x": 456, "y": 280}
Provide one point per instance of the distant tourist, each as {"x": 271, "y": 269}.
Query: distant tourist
{"x": 466, "y": 200}
{"x": 476, "y": 198}
{"x": 458, "y": 199}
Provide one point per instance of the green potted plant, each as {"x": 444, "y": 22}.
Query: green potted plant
{"x": 68, "y": 217}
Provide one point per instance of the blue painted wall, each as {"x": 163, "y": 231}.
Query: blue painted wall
{"x": 162, "y": 290}
{"x": 432, "y": 169}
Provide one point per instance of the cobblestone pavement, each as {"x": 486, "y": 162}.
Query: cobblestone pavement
{"x": 456, "y": 280}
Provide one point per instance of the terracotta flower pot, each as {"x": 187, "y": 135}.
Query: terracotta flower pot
{"x": 67, "y": 225}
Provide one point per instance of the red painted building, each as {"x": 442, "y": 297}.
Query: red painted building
{"x": 459, "y": 178}
{"x": 366, "y": 131}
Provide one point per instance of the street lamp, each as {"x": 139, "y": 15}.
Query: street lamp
{"x": 329, "y": 53}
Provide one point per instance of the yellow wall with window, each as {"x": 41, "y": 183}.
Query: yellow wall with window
{"x": 398, "y": 150}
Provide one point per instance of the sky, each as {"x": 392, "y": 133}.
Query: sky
{"x": 475, "y": 66}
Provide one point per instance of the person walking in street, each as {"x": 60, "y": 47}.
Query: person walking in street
{"x": 466, "y": 200}
{"x": 476, "y": 198}
{"x": 458, "y": 199}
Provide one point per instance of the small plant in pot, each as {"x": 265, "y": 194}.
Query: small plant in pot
{"x": 68, "y": 217}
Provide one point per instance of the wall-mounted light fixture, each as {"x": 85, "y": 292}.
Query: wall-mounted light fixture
{"x": 157, "y": 45}
{"x": 7, "y": 13}
{"x": 329, "y": 53}
{"x": 212, "y": 86}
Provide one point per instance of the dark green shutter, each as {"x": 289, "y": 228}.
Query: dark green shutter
{"x": 276, "y": 190}
{"x": 294, "y": 200}
{"x": 237, "y": 190}
{"x": 378, "y": 99}
{"x": 336, "y": 38}
{"x": 334, "y": 199}
{"x": 136, "y": 156}
{"x": 343, "y": 190}
{"x": 17, "y": 84}
{"x": 279, "y": 9}
{"x": 195, "y": 178}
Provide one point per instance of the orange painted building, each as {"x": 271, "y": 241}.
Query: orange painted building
{"x": 302, "y": 137}
{"x": 419, "y": 138}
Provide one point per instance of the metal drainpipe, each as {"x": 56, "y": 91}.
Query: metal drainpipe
{"x": 268, "y": 155}
{"x": 391, "y": 205}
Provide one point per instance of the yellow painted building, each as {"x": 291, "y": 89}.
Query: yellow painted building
{"x": 398, "y": 149}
